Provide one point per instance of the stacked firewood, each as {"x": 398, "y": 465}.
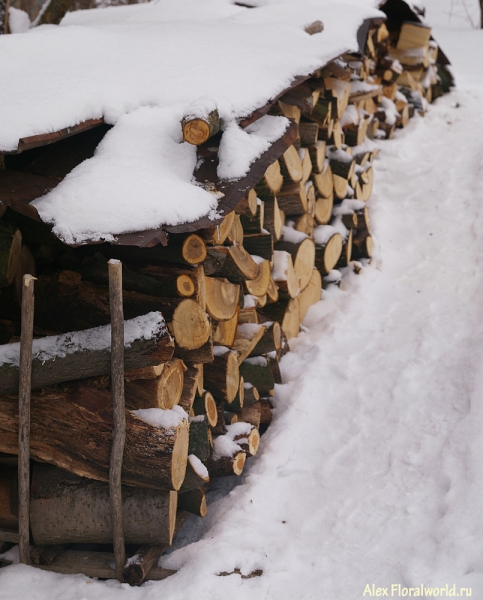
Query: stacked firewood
{"x": 199, "y": 391}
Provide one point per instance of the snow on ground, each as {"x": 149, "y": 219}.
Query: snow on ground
{"x": 371, "y": 471}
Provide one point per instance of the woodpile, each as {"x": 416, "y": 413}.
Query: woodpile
{"x": 200, "y": 392}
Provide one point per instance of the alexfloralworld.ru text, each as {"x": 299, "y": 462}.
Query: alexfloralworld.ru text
{"x": 396, "y": 590}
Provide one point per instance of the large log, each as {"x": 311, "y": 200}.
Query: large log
{"x": 83, "y": 354}
{"x": 221, "y": 377}
{"x": 71, "y": 427}
{"x": 65, "y": 508}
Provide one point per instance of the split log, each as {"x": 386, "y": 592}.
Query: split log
{"x": 218, "y": 234}
{"x": 309, "y": 133}
{"x": 221, "y": 298}
{"x": 235, "y": 235}
{"x": 196, "y": 475}
{"x": 254, "y": 223}
{"x": 328, "y": 248}
{"x": 271, "y": 341}
{"x": 271, "y": 182}
{"x": 193, "y": 502}
{"x": 290, "y": 165}
{"x": 257, "y": 371}
{"x": 227, "y": 465}
{"x": 162, "y": 392}
{"x": 323, "y": 209}
{"x": 249, "y": 443}
{"x": 287, "y": 312}
{"x": 238, "y": 264}
{"x": 83, "y": 354}
{"x": 321, "y": 112}
{"x": 303, "y": 257}
{"x": 305, "y": 224}
{"x": 272, "y": 219}
{"x": 251, "y": 394}
{"x": 362, "y": 246}
{"x": 311, "y": 294}
{"x": 10, "y": 245}
{"x": 248, "y": 204}
{"x": 248, "y": 315}
{"x": 346, "y": 254}
{"x": 224, "y": 332}
{"x": 317, "y": 152}
{"x": 292, "y": 199}
{"x": 248, "y": 336}
{"x": 199, "y": 129}
{"x": 239, "y": 399}
{"x": 192, "y": 375}
{"x": 259, "y": 285}
{"x": 153, "y": 458}
{"x": 222, "y": 376}
{"x": 259, "y": 244}
{"x": 283, "y": 273}
{"x": 205, "y": 404}
{"x": 65, "y": 508}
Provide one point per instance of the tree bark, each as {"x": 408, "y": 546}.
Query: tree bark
{"x": 70, "y": 509}
{"x": 71, "y": 363}
{"x": 71, "y": 427}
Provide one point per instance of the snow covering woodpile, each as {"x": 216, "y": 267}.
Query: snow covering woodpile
{"x": 232, "y": 240}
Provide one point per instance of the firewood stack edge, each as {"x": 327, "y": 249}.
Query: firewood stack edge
{"x": 208, "y": 317}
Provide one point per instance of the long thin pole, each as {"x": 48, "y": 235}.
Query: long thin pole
{"x": 119, "y": 433}
{"x": 24, "y": 392}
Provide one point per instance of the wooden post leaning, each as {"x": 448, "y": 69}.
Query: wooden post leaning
{"x": 119, "y": 433}
{"x": 25, "y": 378}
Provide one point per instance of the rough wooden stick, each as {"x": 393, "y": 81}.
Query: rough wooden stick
{"x": 119, "y": 433}
{"x": 26, "y": 338}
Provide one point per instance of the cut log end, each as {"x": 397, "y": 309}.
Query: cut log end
{"x": 191, "y": 326}
{"x": 180, "y": 455}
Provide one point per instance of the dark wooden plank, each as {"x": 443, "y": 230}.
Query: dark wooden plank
{"x": 43, "y": 139}
{"x": 25, "y": 378}
{"x": 119, "y": 412}
{"x": 233, "y": 191}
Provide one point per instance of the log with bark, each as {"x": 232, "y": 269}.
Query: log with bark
{"x": 83, "y": 354}
{"x": 65, "y": 508}
{"x": 71, "y": 427}
{"x": 162, "y": 392}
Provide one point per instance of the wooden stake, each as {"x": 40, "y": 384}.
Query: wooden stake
{"x": 26, "y": 337}
{"x": 119, "y": 433}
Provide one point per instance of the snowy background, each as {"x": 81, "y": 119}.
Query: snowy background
{"x": 371, "y": 471}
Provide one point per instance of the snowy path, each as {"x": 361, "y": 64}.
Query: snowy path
{"x": 371, "y": 471}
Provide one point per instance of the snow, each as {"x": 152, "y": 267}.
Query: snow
{"x": 142, "y": 68}
{"x": 280, "y": 265}
{"x": 99, "y": 338}
{"x": 163, "y": 418}
{"x": 18, "y": 20}
{"x": 220, "y": 350}
{"x": 248, "y": 330}
{"x": 240, "y": 147}
{"x": 371, "y": 469}
{"x": 323, "y": 233}
{"x": 290, "y": 234}
{"x": 198, "y": 467}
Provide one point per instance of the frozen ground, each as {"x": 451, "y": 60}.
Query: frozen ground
{"x": 371, "y": 471}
